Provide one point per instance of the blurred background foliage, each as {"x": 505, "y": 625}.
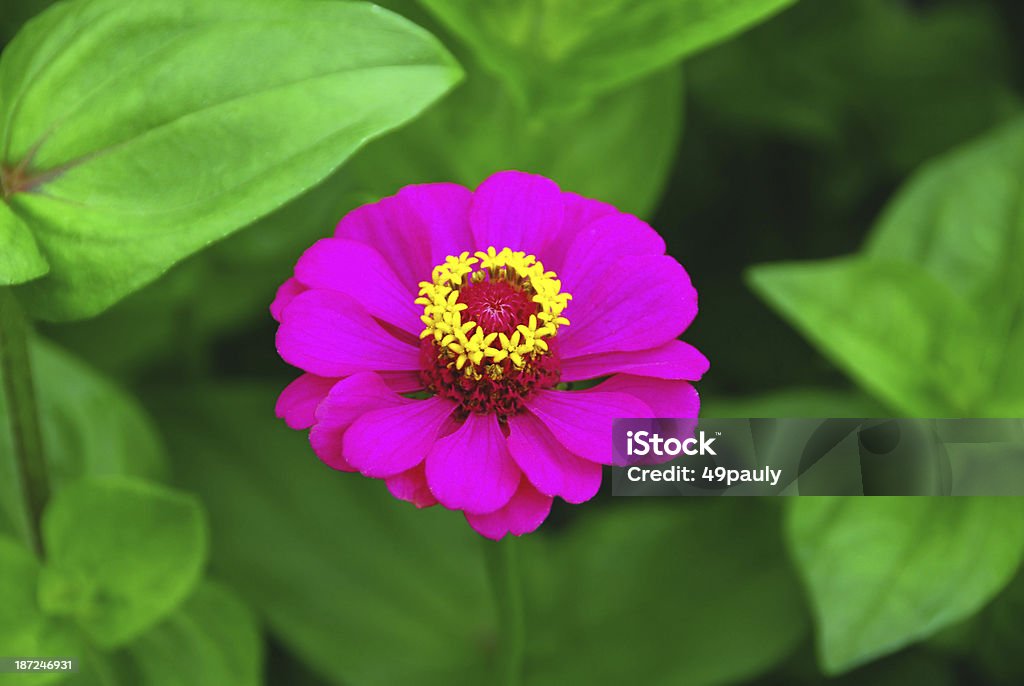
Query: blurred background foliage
{"x": 843, "y": 181}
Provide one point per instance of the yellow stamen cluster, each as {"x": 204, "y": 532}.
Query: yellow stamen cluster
{"x": 465, "y": 342}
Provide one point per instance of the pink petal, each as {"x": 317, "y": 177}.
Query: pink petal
{"x": 526, "y": 511}
{"x": 402, "y": 382}
{"x": 580, "y": 213}
{"x": 582, "y": 421}
{"x": 640, "y": 303}
{"x": 381, "y": 225}
{"x": 356, "y": 269}
{"x": 392, "y": 440}
{"x": 286, "y": 292}
{"x": 330, "y": 334}
{"x": 601, "y": 245}
{"x": 411, "y": 486}
{"x": 441, "y": 210}
{"x": 515, "y": 210}
{"x": 411, "y": 228}
{"x": 673, "y": 360}
{"x": 471, "y": 469}
{"x": 297, "y": 403}
{"x": 672, "y": 399}
{"x": 551, "y": 468}
{"x": 328, "y": 447}
{"x": 348, "y": 400}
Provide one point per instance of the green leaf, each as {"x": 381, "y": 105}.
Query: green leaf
{"x": 150, "y": 129}
{"x": 697, "y": 593}
{"x": 20, "y": 260}
{"x": 962, "y": 219}
{"x": 570, "y": 52}
{"x": 89, "y": 427}
{"x": 24, "y": 630}
{"x": 898, "y": 331}
{"x": 930, "y": 317}
{"x": 481, "y": 129}
{"x": 977, "y": 186}
{"x": 121, "y": 555}
{"x": 885, "y": 572}
{"x": 363, "y": 588}
{"x": 211, "y": 640}
{"x": 219, "y": 290}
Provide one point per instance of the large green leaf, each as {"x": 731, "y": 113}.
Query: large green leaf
{"x": 566, "y": 52}
{"x": 885, "y": 572}
{"x": 930, "y": 318}
{"x": 696, "y": 593}
{"x": 211, "y": 640}
{"x": 149, "y": 129}
{"x": 617, "y": 149}
{"x": 120, "y": 555}
{"x": 364, "y": 588}
{"x": 894, "y": 328}
{"x": 89, "y": 427}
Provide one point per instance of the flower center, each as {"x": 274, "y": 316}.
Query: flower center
{"x": 490, "y": 323}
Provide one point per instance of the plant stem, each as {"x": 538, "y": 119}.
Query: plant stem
{"x": 22, "y": 414}
{"x": 502, "y": 559}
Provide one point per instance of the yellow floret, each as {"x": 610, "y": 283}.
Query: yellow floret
{"x": 469, "y": 347}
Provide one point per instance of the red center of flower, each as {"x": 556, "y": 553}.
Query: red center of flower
{"x": 501, "y": 389}
{"x": 491, "y": 320}
{"x": 497, "y": 305}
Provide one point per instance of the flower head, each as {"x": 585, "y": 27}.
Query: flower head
{"x": 440, "y": 330}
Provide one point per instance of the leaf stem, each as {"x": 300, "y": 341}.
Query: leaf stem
{"x": 502, "y": 559}
{"x": 22, "y": 413}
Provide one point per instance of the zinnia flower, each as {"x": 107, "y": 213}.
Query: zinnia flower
{"x": 440, "y": 330}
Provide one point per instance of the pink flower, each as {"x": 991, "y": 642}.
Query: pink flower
{"x": 439, "y": 327}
